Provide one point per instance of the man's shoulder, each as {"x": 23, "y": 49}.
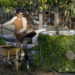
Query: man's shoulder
{"x": 24, "y": 18}
{"x": 15, "y": 17}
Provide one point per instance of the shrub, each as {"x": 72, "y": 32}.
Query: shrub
{"x": 2, "y": 42}
{"x": 54, "y": 49}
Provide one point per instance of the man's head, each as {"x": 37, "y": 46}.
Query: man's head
{"x": 19, "y": 13}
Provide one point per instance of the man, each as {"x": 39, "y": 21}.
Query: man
{"x": 20, "y": 25}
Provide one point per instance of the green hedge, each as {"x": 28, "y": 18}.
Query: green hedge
{"x": 2, "y": 42}
{"x": 54, "y": 49}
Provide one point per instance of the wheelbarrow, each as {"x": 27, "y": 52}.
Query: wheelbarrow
{"x": 9, "y": 50}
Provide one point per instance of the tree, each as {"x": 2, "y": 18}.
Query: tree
{"x": 42, "y": 5}
{"x": 57, "y": 5}
{"x": 6, "y": 3}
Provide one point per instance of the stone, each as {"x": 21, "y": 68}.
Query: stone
{"x": 70, "y": 55}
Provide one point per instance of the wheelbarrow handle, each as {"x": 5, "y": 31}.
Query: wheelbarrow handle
{"x": 1, "y": 26}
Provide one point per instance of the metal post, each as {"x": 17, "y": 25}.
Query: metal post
{"x": 40, "y": 20}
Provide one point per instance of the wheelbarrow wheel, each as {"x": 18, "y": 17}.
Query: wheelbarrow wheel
{"x": 15, "y": 65}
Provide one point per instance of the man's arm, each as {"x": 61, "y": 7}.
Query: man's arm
{"x": 10, "y": 21}
{"x": 24, "y": 25}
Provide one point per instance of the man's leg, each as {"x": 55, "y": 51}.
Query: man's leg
{"x": 25, "y": 42}
{"x": 26, "y": 57}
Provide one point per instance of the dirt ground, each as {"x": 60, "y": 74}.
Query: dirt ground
{"x": 6, "y": 70}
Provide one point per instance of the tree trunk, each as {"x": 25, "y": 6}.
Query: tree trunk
{"x": 56, "y": 16}
{"x": 40, "y": 20}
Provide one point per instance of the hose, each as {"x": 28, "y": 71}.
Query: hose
{"x": 41, "y": 57}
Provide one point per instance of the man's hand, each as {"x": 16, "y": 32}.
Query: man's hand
{"x": 19, "y": 32}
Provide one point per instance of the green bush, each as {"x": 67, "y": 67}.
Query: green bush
{"x": 54, "y": 49}
{"x": 2, "y": 42}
